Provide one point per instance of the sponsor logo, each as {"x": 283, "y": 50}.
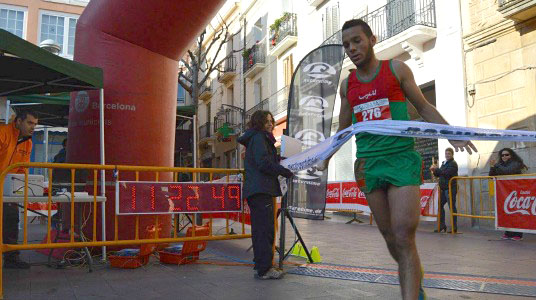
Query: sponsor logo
{"x": 333, "y": 193}
{"x": 525, "y": 205}
{"x": 319, "y": 70}
{"x": 370, "y": 94}
{"x": 470, "y": 132}
{"x": 353, "y": 192}
{"x": 115, "y": 106}
{"x": 309, "y": 174}
{"x": 81, "y": 101}
{"x": 310, "y": 137}
{"x": 424, "y": 201}
{"x": 314, "y": 103}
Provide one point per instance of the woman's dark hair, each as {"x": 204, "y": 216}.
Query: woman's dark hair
{"x": 258, "y": 119}
{"x": 513, "y": 156}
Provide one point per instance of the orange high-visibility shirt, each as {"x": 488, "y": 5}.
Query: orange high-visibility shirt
{"x": 11, "y": 151}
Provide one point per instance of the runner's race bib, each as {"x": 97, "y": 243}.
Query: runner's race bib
{"x": 373, "y": 110}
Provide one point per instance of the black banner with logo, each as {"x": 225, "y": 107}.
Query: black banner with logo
{"x": 310, "y": 110}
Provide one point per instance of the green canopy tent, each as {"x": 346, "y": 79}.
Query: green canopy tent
{"x": 26, "y": 69}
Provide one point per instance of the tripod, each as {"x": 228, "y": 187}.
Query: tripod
{"x": 286, "y": 214}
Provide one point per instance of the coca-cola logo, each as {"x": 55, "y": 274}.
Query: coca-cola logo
{"x": 525, "y": 205}
{"x": 353, "y": 192}
{"x": 424, "y": 201}
{"x": 333, "y": 193}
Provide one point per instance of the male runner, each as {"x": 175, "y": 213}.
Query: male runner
{"x": 387, "y": 169}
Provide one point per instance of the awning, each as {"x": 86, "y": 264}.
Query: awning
{"x": 27, "y": 69}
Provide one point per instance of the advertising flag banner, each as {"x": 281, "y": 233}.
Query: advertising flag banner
{"x": 515, "y": 204}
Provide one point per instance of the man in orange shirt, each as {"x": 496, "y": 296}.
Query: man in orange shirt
{"x": 15, "y": 147}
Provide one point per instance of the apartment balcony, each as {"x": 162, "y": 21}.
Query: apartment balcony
{"x": 283, "y": 34}
{"x": 276, "y": 103}
{"x": 519, "y": 10}
{"x": 206, "y": 90}
{"x": 254, "y": 60}
{"x": 230, "y": 118}
{"x": 227, "y": 69}
{"x": 205, "y": 133}
{"x": 401, "y": 26}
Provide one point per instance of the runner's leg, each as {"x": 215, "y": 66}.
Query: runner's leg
{"x": 404, "y": 205}
{"x": 377, "y": 200}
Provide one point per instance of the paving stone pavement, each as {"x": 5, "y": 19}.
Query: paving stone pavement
{"x": 475, "y": 252}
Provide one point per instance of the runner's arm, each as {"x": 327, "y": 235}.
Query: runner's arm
{"x": 427, "y": 111}
{"x": 345, "y": 118}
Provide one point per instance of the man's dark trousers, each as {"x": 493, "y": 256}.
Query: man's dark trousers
{"x": 10, "y": 227}
{"x": 444, "y": 196}
{"x": 262, "y": 231}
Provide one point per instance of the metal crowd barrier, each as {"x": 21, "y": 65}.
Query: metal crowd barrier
{"x": 475, "y": 198}
{"x": 118, "y": 171}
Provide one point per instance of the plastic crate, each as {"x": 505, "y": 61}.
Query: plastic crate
{"x": 128, "y": 259}
{"x": 189, "y": 251}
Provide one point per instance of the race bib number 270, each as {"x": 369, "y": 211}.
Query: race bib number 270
{"x": 373, "y": 110}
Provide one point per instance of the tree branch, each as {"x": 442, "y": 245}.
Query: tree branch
{"x": 187, "y": 65}
{"x": 186, "y": 87}
{"x": 192, "y": 57}
{"x": 181, "y": 75}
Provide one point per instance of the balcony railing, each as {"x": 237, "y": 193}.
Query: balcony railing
{"x": 227, "y": 68}
{"x": 394, "y": 18}
{"x": 230, "y": 116}
{"x": 276, "y": 103}
{"x": 206, "y": 90}
{"x": 286, "y": 26}
{"x": 254, "y": 56}
{"x": 204, "y": 131}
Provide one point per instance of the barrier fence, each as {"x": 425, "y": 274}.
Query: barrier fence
{"x": 87, "y": 177}
{"x": 477, "y": 199}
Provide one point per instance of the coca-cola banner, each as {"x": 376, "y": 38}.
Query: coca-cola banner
{"x": 346, "y": 195}
{"x": 310, "y": 108}
{"x": 515, "y": 204}
{"x": 429, "y": 201}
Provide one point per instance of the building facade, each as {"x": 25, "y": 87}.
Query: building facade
{"x": 499, "y": 39}
{"x": 276, "y": 35}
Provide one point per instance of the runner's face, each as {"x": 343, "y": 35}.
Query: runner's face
{"x": 448, "y": 155}
{"x": 269, "y": 125}
{"x": 358, "y": 46}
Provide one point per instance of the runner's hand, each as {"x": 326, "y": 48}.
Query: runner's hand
{"x": 461, "y": 145}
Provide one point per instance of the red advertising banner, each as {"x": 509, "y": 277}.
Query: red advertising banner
{"x": 515, "y": 204}
{"x": 347, "y": 196}
{"x": 333, "y": 193}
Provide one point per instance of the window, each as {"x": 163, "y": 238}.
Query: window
{"x": 12, "y": 19}
{"x": 60, "y": 28}
{"x": 288, "y": 68}
{"x": 257, "y": 91}
{"x": 330, "y": 20}
{"x": 181, "y": 95}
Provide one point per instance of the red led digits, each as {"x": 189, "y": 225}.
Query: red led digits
{"x": 221, "y": 197}
{"x": 178, "y": 197}
{"x": 152, "y": 197}
{"x": 194, "y": 197}
{"x": 133, "y": 200}
{"x": 235, "y": 195}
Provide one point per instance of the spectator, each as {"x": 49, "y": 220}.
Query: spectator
{"x": 449, "y": 169}
{"x": 509, "y": 164}
{"x": 62, "y": 154}
{"x": 15, "y": 147}
{"x": 260, "y": 186}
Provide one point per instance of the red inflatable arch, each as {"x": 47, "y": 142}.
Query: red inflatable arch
{"x": 137, "y": 43}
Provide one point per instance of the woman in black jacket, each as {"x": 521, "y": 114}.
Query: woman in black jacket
{"x": 509, "y": 164}
{"x": 260, "y": 186}
{"x": 448, "y": 169}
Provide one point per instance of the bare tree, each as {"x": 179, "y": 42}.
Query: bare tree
{"x": 198, "y": 67}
